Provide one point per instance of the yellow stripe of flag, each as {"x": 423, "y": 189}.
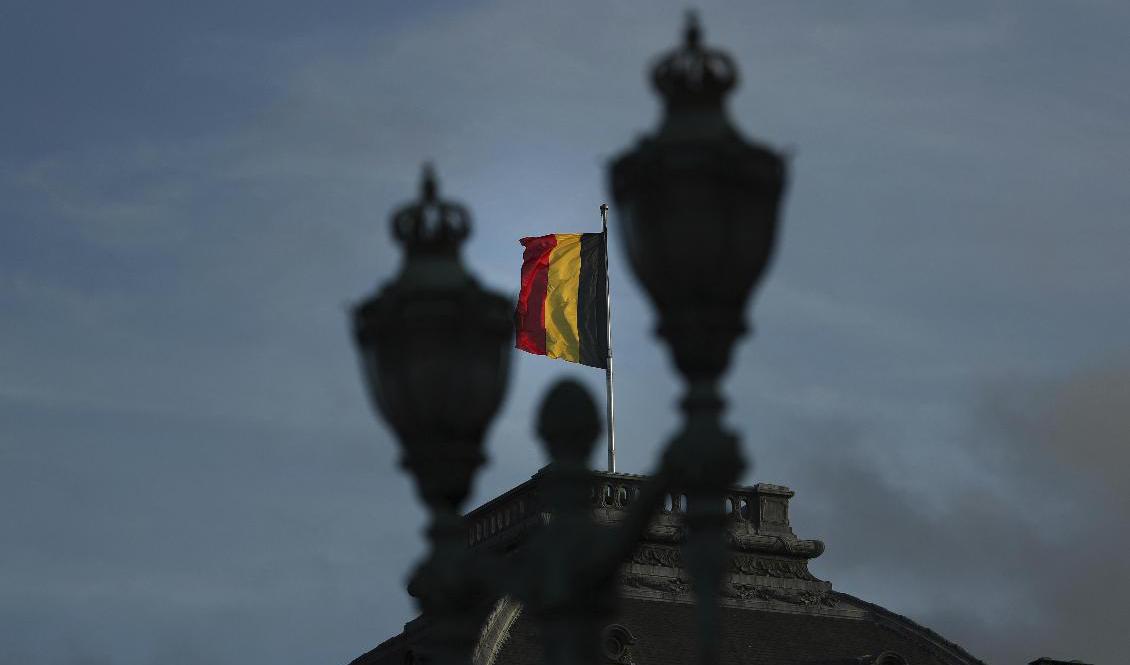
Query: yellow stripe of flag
{"x": 561, "y": 337}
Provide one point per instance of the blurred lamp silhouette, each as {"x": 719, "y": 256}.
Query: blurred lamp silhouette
{"x": 435, "y": 348}
{"x": 698, "y": 208}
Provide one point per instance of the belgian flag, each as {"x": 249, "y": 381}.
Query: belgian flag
{"x": 563, "y": 305}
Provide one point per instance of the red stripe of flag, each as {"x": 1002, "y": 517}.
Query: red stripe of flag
{"x": 530, "y": 314}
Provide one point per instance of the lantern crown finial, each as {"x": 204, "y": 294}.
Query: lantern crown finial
{"x": 429, "y": 188}
{"x": 694, "y": 74}
{"x": 692, "y": 33}
{"x": 431, "y": 225}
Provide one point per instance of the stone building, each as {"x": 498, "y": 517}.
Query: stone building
{"x": 774, "y": 611}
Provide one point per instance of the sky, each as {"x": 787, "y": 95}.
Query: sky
{"x": 192, "y": 195}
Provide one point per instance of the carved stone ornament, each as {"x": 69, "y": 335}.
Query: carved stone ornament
{"x": 650, "y": 555}
{"x": 666, "y": 533}
{"x": 756, "y": 542}
{"x": 752, "y": 565}
{"x": 616, "y": 644}
{"x": 672, "y": 585}
{"x": 791, "y": 596}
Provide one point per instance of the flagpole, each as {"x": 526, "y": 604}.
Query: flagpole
{"x": 608, "y": 365}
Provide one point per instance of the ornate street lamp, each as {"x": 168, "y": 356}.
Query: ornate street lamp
{"x": 435, "y": 348}
{"x": 698, "y": 208}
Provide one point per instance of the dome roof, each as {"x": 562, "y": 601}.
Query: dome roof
{"x": 773, "y": 609}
